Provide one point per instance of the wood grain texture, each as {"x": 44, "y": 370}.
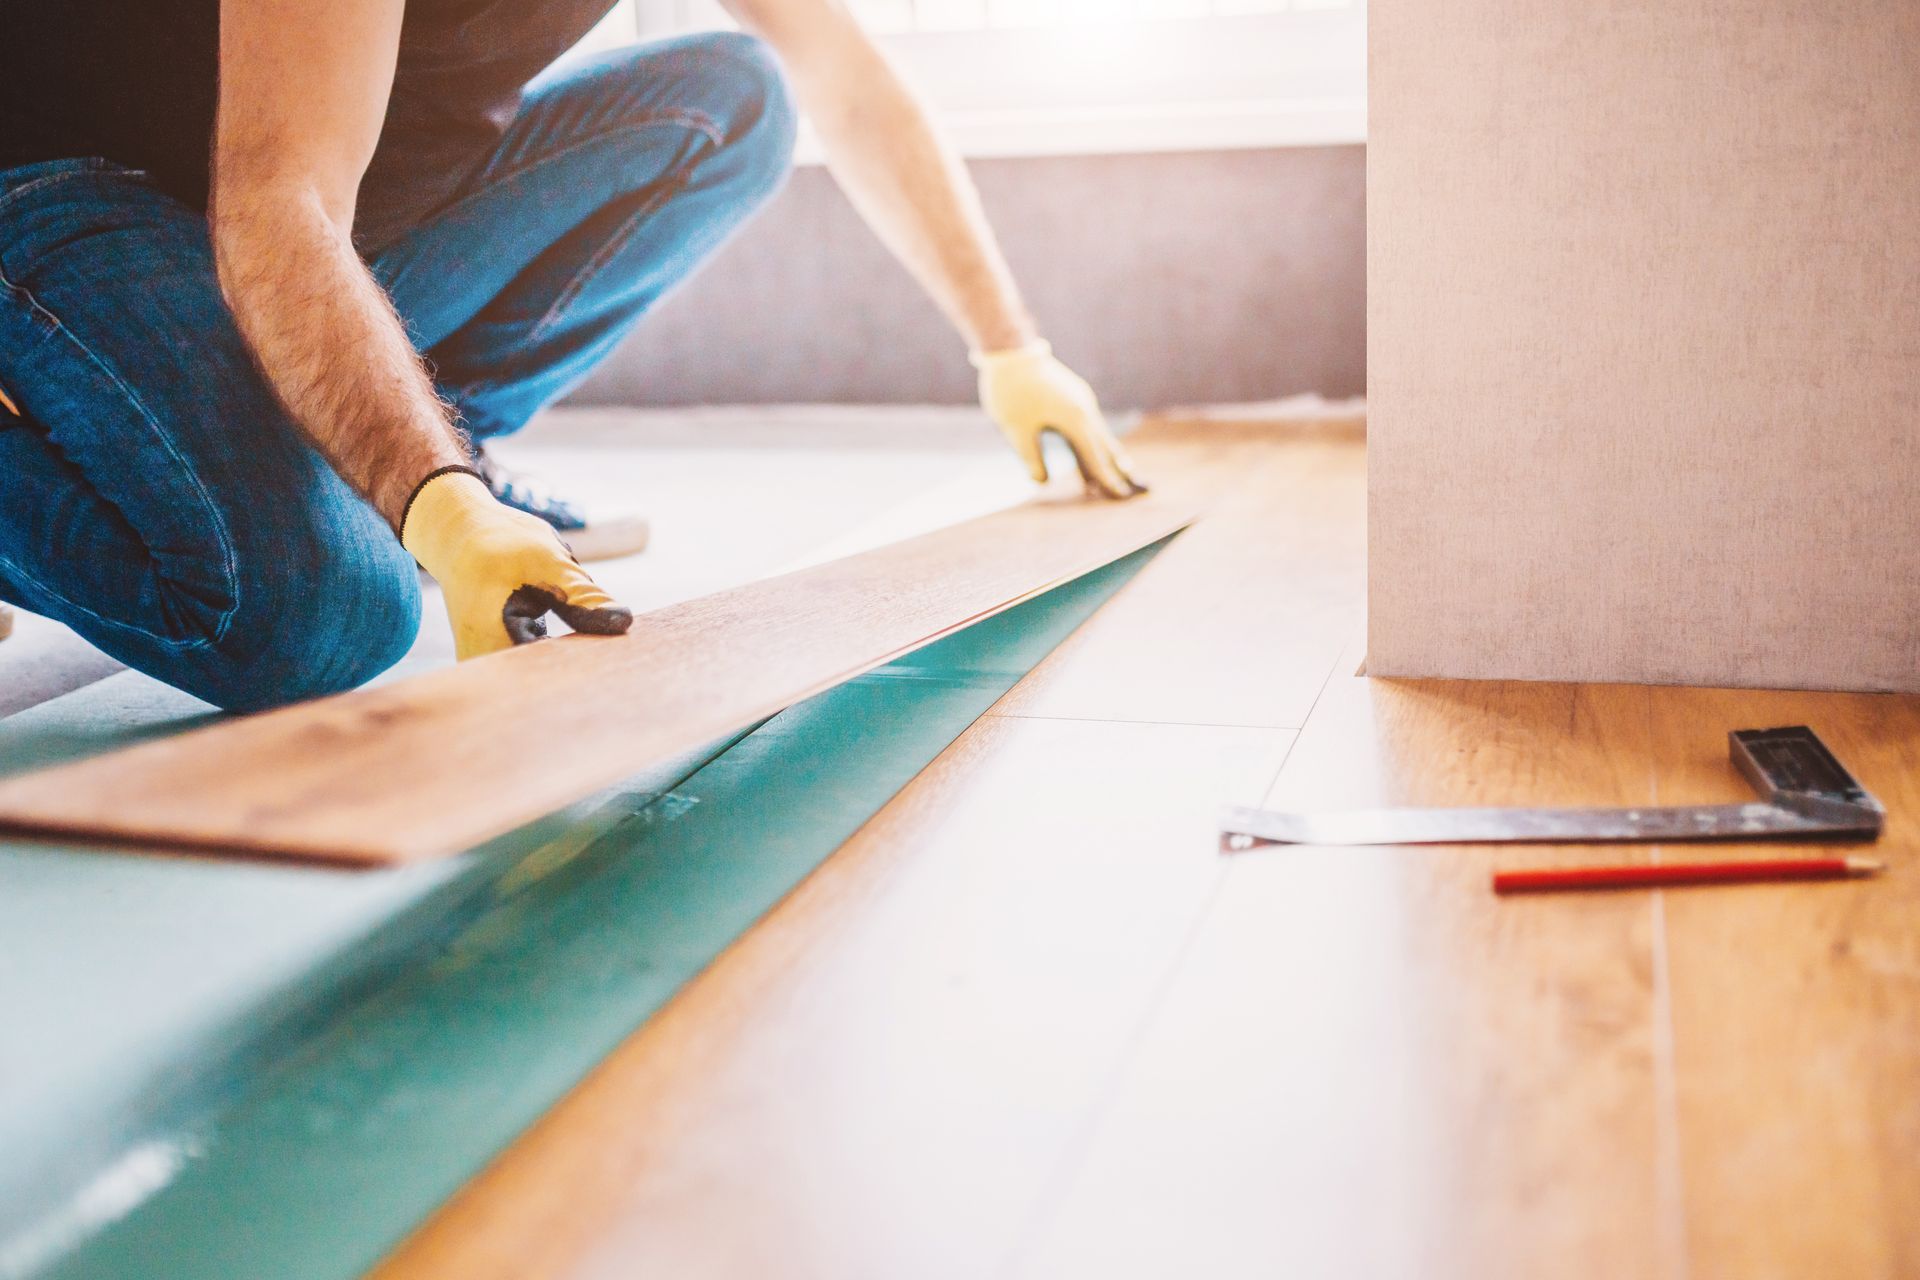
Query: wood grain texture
{"x": 1368, "y": 1065}
{"x": 883, "y": 1077}
{"x": 1796, "y": 1014}
{"x": 1028, "y": 1023}
{"x": 1642, "y": 380}
{"x": 1241, "y": 620}
{"x": 434, "y": 765}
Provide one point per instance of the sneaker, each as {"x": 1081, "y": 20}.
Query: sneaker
{"x": 596, "y": 537}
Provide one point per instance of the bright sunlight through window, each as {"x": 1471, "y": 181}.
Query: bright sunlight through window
{"x": 1031, "y": 77}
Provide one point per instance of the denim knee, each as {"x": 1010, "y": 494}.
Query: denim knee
{"x": 737, "y": 81}
{"x": 316, "y": 616}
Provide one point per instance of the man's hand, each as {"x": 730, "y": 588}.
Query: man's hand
{"x": 502, "y": 570}
{"x": 1028, "y": 392}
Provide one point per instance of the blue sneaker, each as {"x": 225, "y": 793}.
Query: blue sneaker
{"x": 591, "y": 537}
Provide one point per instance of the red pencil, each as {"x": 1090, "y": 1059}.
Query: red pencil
{"x": 1658, "y": 875}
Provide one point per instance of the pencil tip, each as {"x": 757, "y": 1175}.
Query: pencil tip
{"x": 1865, "y": 866}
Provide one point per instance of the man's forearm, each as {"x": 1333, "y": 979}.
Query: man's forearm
{"x": 329, "y": 342}
{"x": 907, "y": 182}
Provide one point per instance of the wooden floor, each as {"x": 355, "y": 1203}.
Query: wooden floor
{"x": 1028, "y": 1022}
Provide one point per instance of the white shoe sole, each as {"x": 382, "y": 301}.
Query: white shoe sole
{"x": 609, "y": 539}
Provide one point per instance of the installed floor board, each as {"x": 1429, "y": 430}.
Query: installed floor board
{"x": 1367, "y": 1065}
{"x": 1014, "y": 1029}
{"x": 1241, "y": 620}
{"x": 1797, "y": 1013}
{"x": 1028, "y": 1021}
{"x": 883, "y": 1077}
{"x": 428, "y": 767}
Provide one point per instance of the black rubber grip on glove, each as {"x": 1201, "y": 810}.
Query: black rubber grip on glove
{"x": 525, "y": 616}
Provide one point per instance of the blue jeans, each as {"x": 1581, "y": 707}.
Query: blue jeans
{"x": 156, "y": 498}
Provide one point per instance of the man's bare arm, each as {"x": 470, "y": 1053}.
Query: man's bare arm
{"x": 912, "y": 189}
{"x": 899, "y": 172}
{"x": 303, "y": 93}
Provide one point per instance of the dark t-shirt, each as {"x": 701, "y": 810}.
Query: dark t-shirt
{"x": 134, "y": 81}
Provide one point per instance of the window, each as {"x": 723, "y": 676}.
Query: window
{"x": 1030, "y": 77}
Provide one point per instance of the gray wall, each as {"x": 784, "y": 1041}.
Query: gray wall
{"x": 1166, "y": 279}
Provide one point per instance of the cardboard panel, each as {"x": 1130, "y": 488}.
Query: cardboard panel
{"x": 1645, "y": 342}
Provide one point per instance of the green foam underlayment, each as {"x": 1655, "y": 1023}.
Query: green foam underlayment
{"x": 303, "y": 1136}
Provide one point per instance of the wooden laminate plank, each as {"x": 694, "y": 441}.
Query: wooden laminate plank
{"x": 881, "y": 1079}
{"x": 1241, "y": 620}
{"x": 1797, "y": 1013}
{"x": 1370, "y": 1066}
{"x": 436, "y": 764}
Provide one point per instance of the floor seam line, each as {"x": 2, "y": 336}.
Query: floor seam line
{"x": 1669, "y": 1168}
{"x": 1074, "y": 1157}
{"x": 1299, "y": 733}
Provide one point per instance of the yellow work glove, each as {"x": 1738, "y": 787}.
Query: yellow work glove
{"x": 1028, "y": 392}
{"x": 502, "y": 570}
